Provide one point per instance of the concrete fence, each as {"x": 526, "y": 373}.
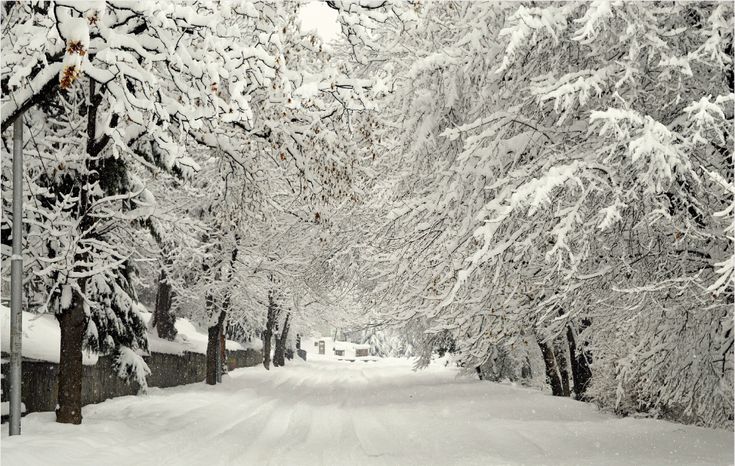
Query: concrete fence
{"x": 100, "y": 381}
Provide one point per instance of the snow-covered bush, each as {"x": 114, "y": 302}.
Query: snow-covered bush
{"x": 131, "y": 366}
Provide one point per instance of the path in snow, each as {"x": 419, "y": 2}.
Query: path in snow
{"x": 341, "y": 413}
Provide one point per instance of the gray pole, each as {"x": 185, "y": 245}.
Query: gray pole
{"x": 16, "y": 279}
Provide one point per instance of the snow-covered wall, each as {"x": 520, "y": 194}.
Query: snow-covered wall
{"x": 171, "y": 363}
{"x": 42, "y": 338}
{"x": 101, "y": 382}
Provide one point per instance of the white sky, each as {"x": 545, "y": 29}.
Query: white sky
{"x": 318, "y": 16}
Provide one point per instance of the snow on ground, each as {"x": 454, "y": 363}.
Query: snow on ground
{"x": 340, "y": 413}
{"x": 189, "y": 338}
{"x": 5, "y": 408}
{"x": 41, "y": 337}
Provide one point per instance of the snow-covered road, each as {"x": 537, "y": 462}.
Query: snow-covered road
{"x": 341, "y": 413}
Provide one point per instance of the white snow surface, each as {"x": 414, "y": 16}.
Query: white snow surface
{"x": 341, "y": 413}
{"x": 189, "y": 338}
{"x": 42, "y": 338}
{"x": 5, "y": 408}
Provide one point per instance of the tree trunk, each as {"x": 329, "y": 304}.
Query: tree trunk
{"x": 163, "y": 320}
{"x": 563, "y": 366}
{"x": 226, "y": 305}
{"x": 214, "y": 364}
{"x": 267, "y": 349}
{"x": 212, "y": 338}
{"x": 279, "y": 356}
{"x": 73, "y": 320}
{"x": 552, "y": 373}
{"x": 268, "y": 332}
{"x": 73, "y": 323}
{"x": 222, "y": 353}
{"x": 277, "y": 348}
{"x": 581, "y": 373}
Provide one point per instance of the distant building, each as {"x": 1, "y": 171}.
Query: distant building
{"x": 341, "y": 349}
{"x": 362, "y": 351}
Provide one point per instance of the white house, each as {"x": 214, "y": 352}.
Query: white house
{"x": 343, "y": 350}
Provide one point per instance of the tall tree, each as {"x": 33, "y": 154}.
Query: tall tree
{"x": 114, "y": 90}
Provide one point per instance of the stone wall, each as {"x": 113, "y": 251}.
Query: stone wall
{"x": 100, "y": 382}
{"x": 246, "y": 358}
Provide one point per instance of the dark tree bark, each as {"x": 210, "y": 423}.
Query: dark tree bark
{"x": 580, "y": 359}
{"x": 215, "y": 333}
{"x": 212, "y": 338}
{"x": 163, "y": 320}
{"x": 552, "y": 373}
{"x": 279, "y": 356}
{"x": 268, "y": 332}
{"x": 276, "y": 357}
{"x": 214, "y": 363}
{"x": 563, "y": 366}
{"x": 73, "y": 323}
{"x": 222, "y": 353}
{"x": 226, "y": 305}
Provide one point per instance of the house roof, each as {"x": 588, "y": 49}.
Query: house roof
{"x": 342, "y": 345}
{"x": 346, "y": 345}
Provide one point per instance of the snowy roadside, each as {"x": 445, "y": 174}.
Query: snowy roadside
{"x": 41, "y": 338}
{"x": 189, "y": 338}
{"x": 336, "y": 412}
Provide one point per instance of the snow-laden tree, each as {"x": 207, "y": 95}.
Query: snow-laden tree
{"x": 479, "y": 176}
{"x": 423, "y": 205}
{"x": 624, "y": 195}
{"x": 265, "y": 197}
{"x": 114, "y": 91}
{"x": 563, "y": 172}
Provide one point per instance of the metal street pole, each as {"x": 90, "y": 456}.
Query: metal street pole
{"x": 16, "y": 279}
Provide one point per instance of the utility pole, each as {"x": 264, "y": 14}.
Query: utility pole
{"x": 16, "y": 280}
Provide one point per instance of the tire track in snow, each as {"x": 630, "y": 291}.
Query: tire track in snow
{"x": 269, "y": 435}
{"x": 324, "y": 413}
{"x": 372, "y": 433}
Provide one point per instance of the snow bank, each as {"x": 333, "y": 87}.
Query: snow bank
{"x": 5, "y": 408}
{"x": 189, "y": 338}
{"x": 41, "y": 337}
